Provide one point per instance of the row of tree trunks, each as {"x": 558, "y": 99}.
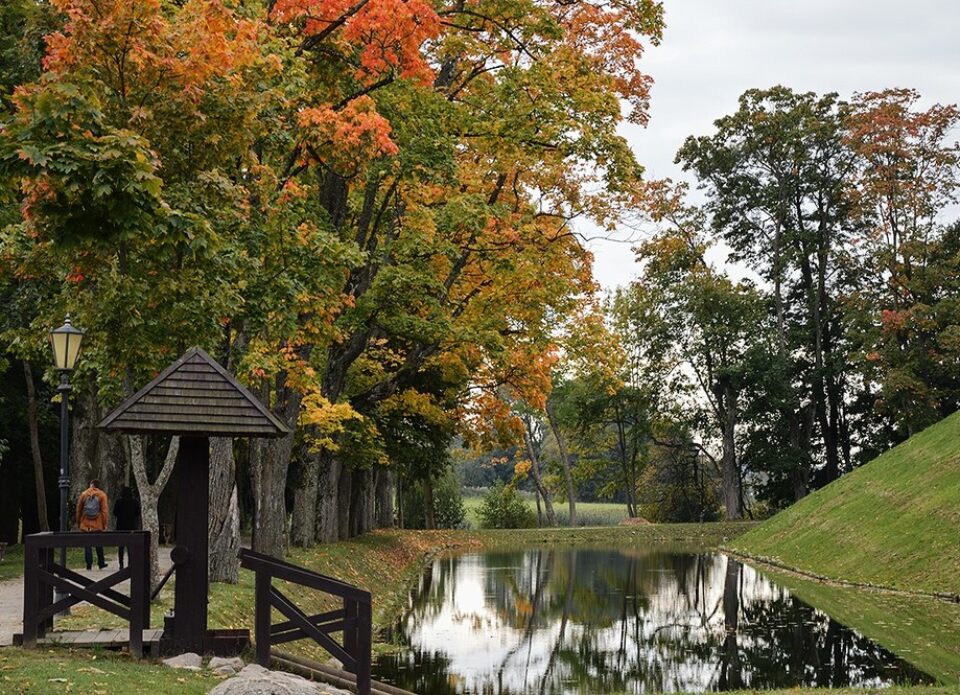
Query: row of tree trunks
{"x": 332, "y": 503}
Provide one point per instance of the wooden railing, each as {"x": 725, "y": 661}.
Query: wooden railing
{"x": 354, "y": 620}
{"x": 42, "y": 575}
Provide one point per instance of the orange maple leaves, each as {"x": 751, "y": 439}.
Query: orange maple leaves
{"x": 387, "y": 35}
{"x": 137, "y": 49}
{"x": 357, "y": 130}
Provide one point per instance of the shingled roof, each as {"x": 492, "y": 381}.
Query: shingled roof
{"x": 194, "y": 396}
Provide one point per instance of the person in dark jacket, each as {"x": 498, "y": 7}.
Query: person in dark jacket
{"x": 127, "y": 513}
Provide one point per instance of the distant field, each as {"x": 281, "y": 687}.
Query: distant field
{"x": 588, "y": 513}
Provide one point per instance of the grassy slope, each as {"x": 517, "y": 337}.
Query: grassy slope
{"x": 894, "y": 522}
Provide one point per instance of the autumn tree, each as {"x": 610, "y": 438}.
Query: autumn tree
{"x": 121, "y": 149}
{"x": 469, "y": 216}
{"x": 777, "y": 174}
{"x": 902, "y": 317}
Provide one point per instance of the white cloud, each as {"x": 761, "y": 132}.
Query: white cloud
{"x": 713, "y": 50}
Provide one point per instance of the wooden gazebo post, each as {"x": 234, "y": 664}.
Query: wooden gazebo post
{"x": 194, "y": 398}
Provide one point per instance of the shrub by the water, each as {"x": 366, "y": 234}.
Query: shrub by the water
{"x": 503, "y": 507}
{"x": 448, "y": 509}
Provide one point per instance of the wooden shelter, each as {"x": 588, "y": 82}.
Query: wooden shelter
{"x": 194, "y": 398}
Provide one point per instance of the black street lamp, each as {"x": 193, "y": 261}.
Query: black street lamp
{"x": 66, "y": 346}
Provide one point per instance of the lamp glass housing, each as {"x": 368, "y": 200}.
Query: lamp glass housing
{"x": 66, "y": 346}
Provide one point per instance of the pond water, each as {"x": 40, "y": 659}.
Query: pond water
{"x": 557, "y": 621}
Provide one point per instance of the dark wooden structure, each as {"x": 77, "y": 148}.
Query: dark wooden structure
{"x": 42, "y": 574}
{"x": 354, "y": 620}
{"x": 194, "y": 398}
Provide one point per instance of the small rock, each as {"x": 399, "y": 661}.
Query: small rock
{"x": 234, "y": 662}
{"x": 256, "y": 680}
{"x": 333, "y": 662}
{"x": 226, "y": 671}
{"x": 188, "y": 661}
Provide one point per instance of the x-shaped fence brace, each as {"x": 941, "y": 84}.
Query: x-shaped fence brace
{"x": 41, "y": 575}
{"x": 354, "y": 620}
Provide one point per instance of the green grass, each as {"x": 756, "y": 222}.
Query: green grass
{"x": 12, "y": 565}
{"x": 922, "y": 630}
{"x": 894, "y": 522}
{"x": 588, "y": 513}
{"x": 52, "y": 671}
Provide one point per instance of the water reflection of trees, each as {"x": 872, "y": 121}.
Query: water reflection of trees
{"x": 601, "y": 621}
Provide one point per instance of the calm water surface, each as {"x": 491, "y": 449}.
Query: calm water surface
{"x": 602, "y": 621}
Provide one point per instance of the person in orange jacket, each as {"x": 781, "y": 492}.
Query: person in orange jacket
{"x": 92, "y": 516}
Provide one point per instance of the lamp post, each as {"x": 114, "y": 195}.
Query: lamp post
{"x": 66, "y": 346}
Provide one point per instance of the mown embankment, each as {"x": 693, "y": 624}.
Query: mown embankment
{"x": 893, "y": 523}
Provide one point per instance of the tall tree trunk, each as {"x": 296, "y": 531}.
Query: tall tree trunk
{"x": 385, "y": 493}
{"x": 150, "y": 495}
{"x": 34, "y": 426}
{"x": 537, "y": 478}
{"x": 730, "y": 670}
{"x": 94, "y": 453}
{"x": 401, "y": 523}
{"x": 344, "y": 495}
{"x": 269, "y": 463}
{"x": 362, "y": 502}
{"x": 224, "y": 519}
{"x": 328, "y": 498}
{"x": 303, "y": 532}
{"x": 565, "y": 462}
{"x": 731, "y": 475}
{"x": 429, "y": 520}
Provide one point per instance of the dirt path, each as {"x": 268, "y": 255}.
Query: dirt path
{"x": 11, "y": 594}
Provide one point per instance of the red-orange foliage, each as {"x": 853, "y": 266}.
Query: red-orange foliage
{"x": 136, "y": 49}
{"x": 386, "y": 35}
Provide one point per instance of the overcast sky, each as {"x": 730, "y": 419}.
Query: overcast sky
{"x": 714, "y": 50}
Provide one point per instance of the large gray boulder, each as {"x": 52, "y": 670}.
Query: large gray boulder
{"x": 226, "y": 666}
{"x": 188, "y": 661}
{"x": 256, "y": 680}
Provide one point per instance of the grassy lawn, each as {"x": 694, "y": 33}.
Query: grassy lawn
{"x": 51, "y": 671}
{"x": 588, "y": 513}
{"x": 12, "y": 565}
{"x": 894, "y": 522}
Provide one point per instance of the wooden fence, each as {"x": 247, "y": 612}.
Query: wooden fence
{"x": 354, "y": 620}
{"x": 42, "y": 575}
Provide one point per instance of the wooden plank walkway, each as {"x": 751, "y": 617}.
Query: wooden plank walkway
{"x": 99, "y": 638}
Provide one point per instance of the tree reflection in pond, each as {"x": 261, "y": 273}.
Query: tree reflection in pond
{"x": 555, "y": 621}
